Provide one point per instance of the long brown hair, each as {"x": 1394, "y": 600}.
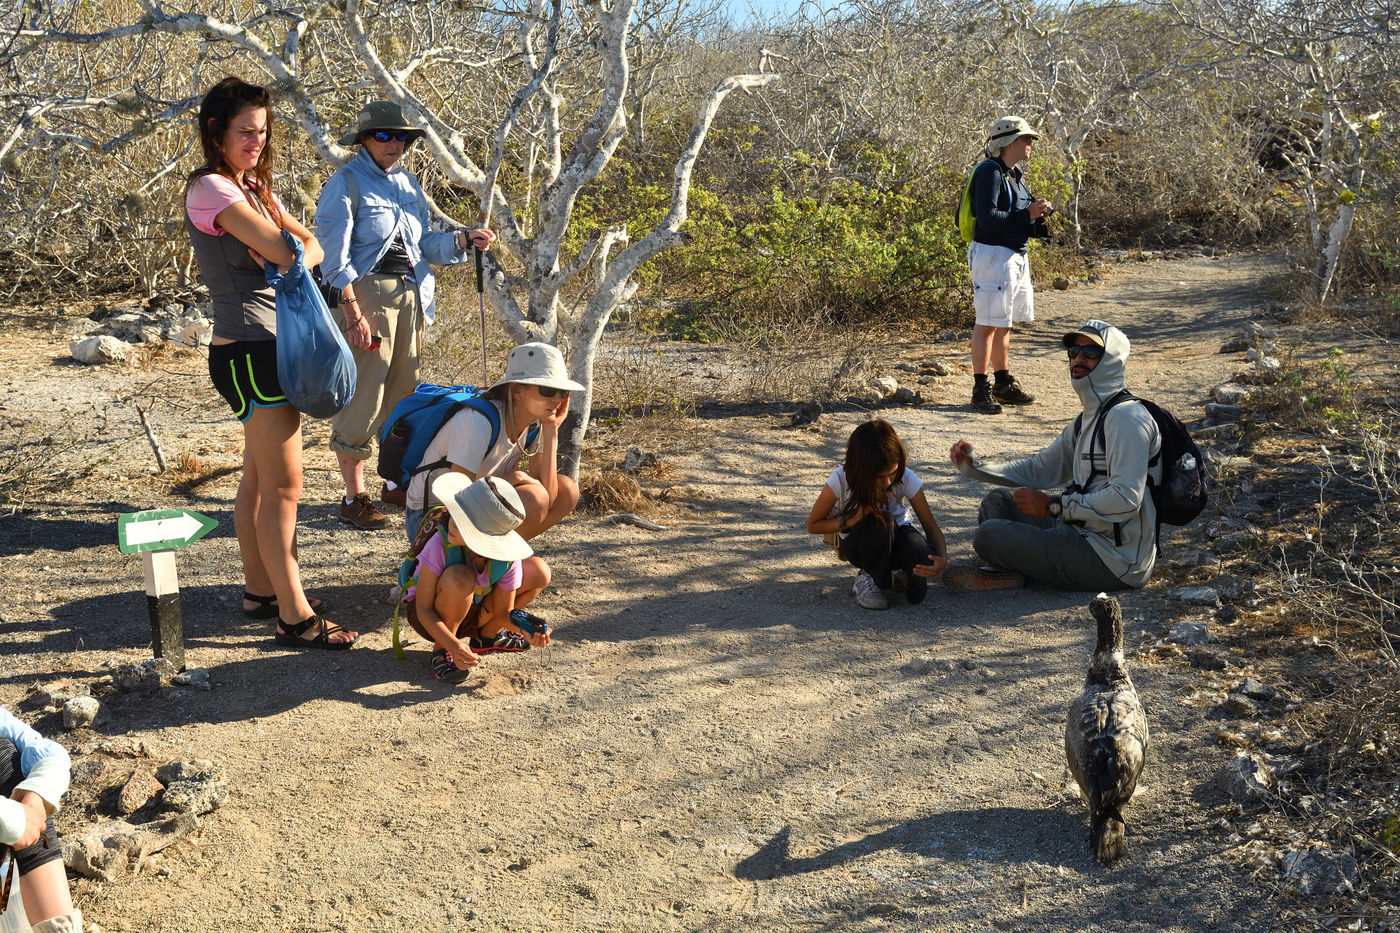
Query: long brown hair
{"x": 225, "y": 101}
{"x": 872, "y": 449}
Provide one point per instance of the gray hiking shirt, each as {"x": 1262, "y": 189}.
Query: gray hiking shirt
{"x": 1117, "y": 514}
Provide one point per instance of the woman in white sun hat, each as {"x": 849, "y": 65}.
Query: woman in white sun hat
{"x": 532, "y": 399}
{"x": 1006, "y": 213}
{"x": 474, "y": 577}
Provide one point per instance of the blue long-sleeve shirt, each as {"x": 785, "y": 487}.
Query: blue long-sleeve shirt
{"x": 1002, "y": 205}
{"x": 360, "y": 211}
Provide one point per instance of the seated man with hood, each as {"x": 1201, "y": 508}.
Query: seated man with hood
{"x": 1099, "y": 534}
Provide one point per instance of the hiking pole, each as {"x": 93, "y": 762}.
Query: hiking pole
{"x": 481, "y": 306}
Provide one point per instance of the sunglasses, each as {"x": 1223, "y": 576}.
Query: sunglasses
{"x": 383, "y": 136}
{"x": 1090, "y": 352}
{"x": 551, "y": 392}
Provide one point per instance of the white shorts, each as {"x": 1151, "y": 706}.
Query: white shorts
{"x": 1001, "y": 285}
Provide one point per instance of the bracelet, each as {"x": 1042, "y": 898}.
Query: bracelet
{"x": 348, "y": 301}
{"x": 354, "y": 323}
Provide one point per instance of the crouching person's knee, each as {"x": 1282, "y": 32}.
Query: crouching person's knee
{"x": 535, "y": 573}
{"x": 999, "y": 504}
{"x": 990, "y": 543}
{"x": 567, "y": 497}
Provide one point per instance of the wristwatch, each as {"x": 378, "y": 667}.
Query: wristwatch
{"x": 1055, "y": 507}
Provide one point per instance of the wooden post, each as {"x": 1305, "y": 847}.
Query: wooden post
{"x": 163, "y": 604}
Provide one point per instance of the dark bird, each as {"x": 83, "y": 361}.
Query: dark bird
{"x": 1106, "y": 735}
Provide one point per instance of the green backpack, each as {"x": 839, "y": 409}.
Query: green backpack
{"x": 967, "y": 222}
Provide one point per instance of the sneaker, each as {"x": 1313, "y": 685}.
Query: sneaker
{"x": 982, "y": 400}
{"x": 504, "y": 640}
{"x": 1011, "y": 393}
{"x": 963, "y": 578}
{"x": 398, "y": 496}
{"x": 867, "y": 594}
{"x": 529, "y": 622}
{"x": 447, "y": 672}
{"x": 361, "y": 513}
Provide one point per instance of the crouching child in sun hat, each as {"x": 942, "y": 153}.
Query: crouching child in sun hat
{"x": 475, "y": 576}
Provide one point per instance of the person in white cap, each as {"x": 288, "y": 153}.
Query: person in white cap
{"x": 1100, "y": 533}
{"x": 1006, "y": 213}
{"x": 533, "y": 391}
{"x": 373, "y": 220}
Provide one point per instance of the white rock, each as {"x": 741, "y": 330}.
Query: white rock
{"x": 1189, "y": 632}
{"x": 97, "y": 350}
{"x": 193, "y": 677}
{"x": 885, "y": 385}
{"x": 80, "y": 712}
{"x": 1197, "y": 595}
{"x": 1230, "y": 393}
{"x": 1267, "y": 364}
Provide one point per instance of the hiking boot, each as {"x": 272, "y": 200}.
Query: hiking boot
{"x": 1011, "y": 393}
{"x": 398, "y": 496}
{"x": 982, "y": 400}
{"x": 447, "y": 672}
{"x": 361, "y": 513}
{"x": 963, "y": 578}
{"x": 867, "y": 594}
{"x": 504, "y": 640}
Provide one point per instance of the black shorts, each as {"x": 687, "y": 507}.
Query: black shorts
{"x": 46, "y": 849}
{"x": 245, "y": 373}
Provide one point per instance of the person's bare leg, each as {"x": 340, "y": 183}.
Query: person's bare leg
{"x": 981, "y": 348}
{"x": 1000, "y": 349}
{"x": 353, "y": 472}
{"x": 272, "y": 440}
{"x": 45, "y": 893}
{"x": 540, "y": 512}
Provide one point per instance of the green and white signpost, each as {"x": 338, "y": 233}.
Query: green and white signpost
{"x": 155, "y": 536}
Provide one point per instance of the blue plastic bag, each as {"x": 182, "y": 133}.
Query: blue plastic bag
{"x": 314, "y": 364}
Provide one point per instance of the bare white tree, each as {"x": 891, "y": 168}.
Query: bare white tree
{"x": 559, "y": 90}
{"x": 1322, "y": 69}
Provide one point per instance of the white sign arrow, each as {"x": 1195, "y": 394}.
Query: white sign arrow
{"x": 165, "y": 529}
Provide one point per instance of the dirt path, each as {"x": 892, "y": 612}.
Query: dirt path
{"x": 719, "y": 740}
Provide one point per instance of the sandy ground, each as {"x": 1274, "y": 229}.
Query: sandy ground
{"x": 720, "y": 739}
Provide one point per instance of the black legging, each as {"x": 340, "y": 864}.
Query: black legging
{"x": 46, "y": 849}
{"x": 877, "y": 550}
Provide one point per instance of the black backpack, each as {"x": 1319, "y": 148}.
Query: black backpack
{"x": 1185, "y": 486}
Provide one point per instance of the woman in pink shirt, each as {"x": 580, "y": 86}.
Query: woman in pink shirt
{"x": 235, "y": 224}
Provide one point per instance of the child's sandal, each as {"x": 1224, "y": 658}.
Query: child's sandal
{"x": 290, "y": 636}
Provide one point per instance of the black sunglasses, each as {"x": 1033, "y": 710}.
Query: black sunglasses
{"x": 551, "y": 392}
{"x": 1089, "y": 350}
{"x": 383, "y": 136}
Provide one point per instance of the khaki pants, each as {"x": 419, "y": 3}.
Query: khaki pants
{"x": 382, "y": 376}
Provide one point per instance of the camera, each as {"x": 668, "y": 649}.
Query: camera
{"x": 1040, "y": 227}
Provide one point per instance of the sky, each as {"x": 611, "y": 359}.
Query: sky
{"x": 739, "y": 9}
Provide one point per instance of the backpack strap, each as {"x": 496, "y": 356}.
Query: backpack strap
{"x": 1096, "y": 438}
{"x": 481, "y": 404}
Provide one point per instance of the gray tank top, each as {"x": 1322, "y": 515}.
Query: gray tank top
{"x": 244, "y": 305}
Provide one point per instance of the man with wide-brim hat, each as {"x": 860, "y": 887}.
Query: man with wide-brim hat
{"x": 1002, "y": 295}
{"x": 527, "y": 407}
{"x": 373, "y": 221}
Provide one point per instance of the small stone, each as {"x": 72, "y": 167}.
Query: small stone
{"x": 1259, "y": 331}
{"x": 138, "y": 791}
{"x": 1253, "y": 355}
{"x": 1267, "y": 364}
{"x": 1255, "y": 690}
{"x": 80, "y": 712}
{"x": 806, "y": 413}
{"x": 935, "y": 368}
{"x": 1230, "y": 393}
{"x": 143, "y": 676}
{"x": 1236, "y": 345}
{"x": 1238, "y": 706}
{"x": 1223, "y": 413}
{"x": 1247, "y": 780}
{"x": 1095, "y": 278}
{"x": 922, "y": 664}
{"x": 195, "y": 796}
{"x": 1319, "y": 871}
{"x": 1060, "y": 283}
{"x": 1230, "y": 586}
{"x": 1204, "y": 660}
{"x": 637, "y": 458}
{"x": 53, "y": 696}
{"x": 1189, "y": 632}
{"x": 125, "y": 747}
{"x": 906, "y": 396}
{"x": 94, "y": 351}
{"x": 192, "y": 677}
{"x": 906, "y": 367}
{"x": 197, "y": 769}
{"x": 885, "y": 386}
{"x": 1197, "y": 596}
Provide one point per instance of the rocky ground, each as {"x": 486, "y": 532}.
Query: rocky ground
{"x": 719, "y": 739}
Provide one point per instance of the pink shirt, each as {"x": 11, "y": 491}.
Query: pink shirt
{"x": 433, "y": 557}
{"x": 211, "y": 194}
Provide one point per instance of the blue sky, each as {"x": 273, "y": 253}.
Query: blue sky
{"x": 739, "y": 9}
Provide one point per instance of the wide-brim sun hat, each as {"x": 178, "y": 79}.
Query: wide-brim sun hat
{"x": 537, "y": 364}
{"x": 379, "y": 115}
{"x": 1006, "y": 131}
{"x": 487, "y": 512}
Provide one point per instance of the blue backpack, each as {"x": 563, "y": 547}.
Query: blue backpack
{"x": 416, "y": 420}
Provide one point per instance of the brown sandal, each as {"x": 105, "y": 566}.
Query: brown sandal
{"x": 290, "y": 636}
